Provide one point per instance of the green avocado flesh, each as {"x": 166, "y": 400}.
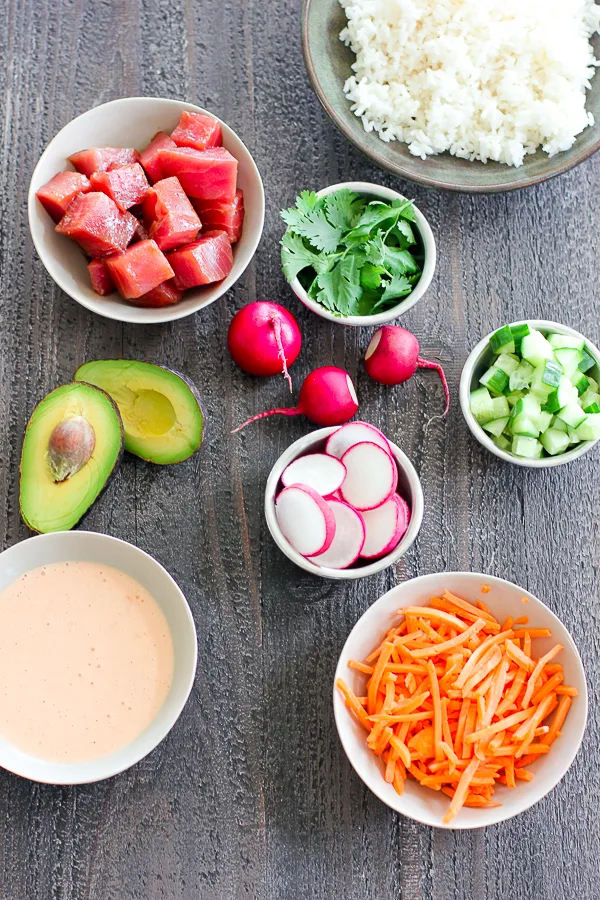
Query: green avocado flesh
{"x": 160, "y": 408}
{"x": 72, "y": 444}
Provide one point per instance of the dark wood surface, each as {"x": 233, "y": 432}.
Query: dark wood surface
{"x": 251, "y": 795}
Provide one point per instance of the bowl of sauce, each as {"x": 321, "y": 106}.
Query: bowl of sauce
{"x": 98, "y": 656}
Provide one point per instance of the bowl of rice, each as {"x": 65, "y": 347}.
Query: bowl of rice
{"x": 466, "y": 97}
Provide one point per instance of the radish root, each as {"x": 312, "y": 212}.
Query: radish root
{"x": 271, "y": 412}
{"x": 281, "y": 353}
{"x": 428, "y": 364}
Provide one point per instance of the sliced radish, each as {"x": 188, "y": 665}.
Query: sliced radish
{"x": 385, "y": 527}
{"x": 321, "y": 472}
{"x": 371, "y": 476}
{"x": 354, "y": 433}
{"x": 305, "y": 519}
{"x": 348, "y": 541}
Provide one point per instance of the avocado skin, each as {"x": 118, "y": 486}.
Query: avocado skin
{"x": 109, "y": 477}
{"x": 182, "y": 377}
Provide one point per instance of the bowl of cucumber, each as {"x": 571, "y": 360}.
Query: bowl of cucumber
{"x": 530, "y": 393}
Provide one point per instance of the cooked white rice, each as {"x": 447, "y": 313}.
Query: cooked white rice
{"x": 482, "y": 79}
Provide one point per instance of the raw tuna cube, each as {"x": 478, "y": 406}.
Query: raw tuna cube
{"x": 102, "y": 283}
{"x": 57, "y": 194}
{"x": 166, "y": 294}
{"x": 97, "y": 224}
{"x": 173, "y": 220}
{"x": 206, "y": 260}
{"x": 126, "y": 185}
{"x": 227, "y": 215}
{"x": 206, "y": 174}
{"x": 98, "y": 159}
{"x": 139, "y": 269}
{"x": 198, "y": 131}
{"x": 149, "y": 157}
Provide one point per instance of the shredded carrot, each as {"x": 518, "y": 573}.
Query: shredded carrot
{"x": 485, "y": 589}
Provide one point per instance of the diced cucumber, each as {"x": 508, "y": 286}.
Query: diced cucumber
{"x": 564, "y": 394}
{"x": 565, "y": 340}
{"x": 515, "y": 396}
{"x": 480, "y": 402}
{"x": 571, "y": 414}
{"x": 593, "y": 384}
{"x": 525, "y": 425}
{"x": 552, "y": 373}
{"x": 501, "y": 442}
{"x": 494, "y": 380}
{"x": 554, "y": 441}
{"x": 591, "y": 409}
{"x": 544, "y": 420}
{"x": 588, "y": 361}
{"x": 589, "y": 430}
{"x": 586, "y": 399}
{"x": 529, "y": 405}
{"x": 508, "y": 362}
{"x": 558, "y": 425}
{"x": 496, "y": 426}
{"x": 569, "y": 359}
{"x": 502, "y": 341}
{"x": 535, "y": 348}
{"x": 500, "y": 407}
{"x": 527, "y": 447}
{"x": 580, "y": 381}
{"x": 573, "y": 438}
{"x": 521, "y": 377}
{"x": 546, "y": 378}
{"x": 518, "y": 333}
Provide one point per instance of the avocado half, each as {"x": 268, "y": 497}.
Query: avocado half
{"x": 73, "y": 443}
{"x": 160, "y": 408}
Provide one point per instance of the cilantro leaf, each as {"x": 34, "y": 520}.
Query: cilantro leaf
{"x": 295, "y": 256}
{"x": 405, "y": 208}
{"x": 404, "y": 229}
{"x": 344, "y": 208}
{"x": 306, "y": 201}
{"x": 308, "y": 219}
{"x": 398, "y": 261}
{"x": 340, "y": 288}
{"x": 370, "y": 276}
{"x": 398, "y": 287}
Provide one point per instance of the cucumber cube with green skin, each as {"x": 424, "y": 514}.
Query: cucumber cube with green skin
{"x": 543, "y": 375}
{"x": 552, "y": 373}
{"x": 514, "y": 397}
{"x": 494, "y": 380}
{"x": 508, "y": 362}
{"x": 558, "y": 425}
{"x": 580, "y": 381}
{"x": 571, "y": 414}
{"x": 588, "y": 361}
{"x": 564, "y": 394}
{"x": 589, "y": 430}
{"x": 518, "y": 333}
{"x": 536, "y": 349}
{"x": 565, "y": 340}
{"x": 525, "y": 425}
{"x": 496, "y": 426}
{"x": 593, "y": 384}
{"x": 588, "y": 398}
{"x": 527, "y": 447}
{"x": 569, "y": 359}
{"x": 592, "y": 408}
{"x": 528, "y": 405}
{"x": 501, "y": 442}
{"x": 481, "y": 406}
{"x": 500, "y": 407}
{"x": 573, "y": 439}
{"x": 554, "y": 441}
{"x": 502, "y": 341}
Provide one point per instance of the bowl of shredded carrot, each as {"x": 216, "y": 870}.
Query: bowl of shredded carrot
{"x": 460, "y": 699}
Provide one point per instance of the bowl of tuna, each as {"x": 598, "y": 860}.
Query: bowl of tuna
{"x": 344, "y": 502}
{"x": 530, "y": 393}
{"x": 146, "y": 209}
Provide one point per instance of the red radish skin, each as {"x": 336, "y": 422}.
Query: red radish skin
{"x": 385, "y": 527}
{"x": 264, "y": 339}
{"x": 306, "y": 520}
{"x": 348, "y": 541}
{"x": 323, "y": 473}
{"x": 354, "y": 433}
{"x": 327, "y": 397}
{"x": 371, "y": 476}
{"x": 392, "y": 357}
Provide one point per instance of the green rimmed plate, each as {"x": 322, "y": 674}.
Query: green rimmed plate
{"x": 328, "y": 63}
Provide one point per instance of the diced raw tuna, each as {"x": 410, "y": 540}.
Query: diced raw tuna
{"x": 149, "y": 157}
{"x": 172, "y": 218}
{"x": 98, "y": 159}
{"x": 198, "y": 131}
{"x": 207, "y": 260}
{"x": 97, "y": 224}
{"x": 165, "y": 294}
{"x": 227, "y": 215}
{"x": 206, "y": 174}
{"x": 56, "y": 195}
{"x": 126, "y": 185}
{"x": 102, "y": 283}
{"x": 139, "y": 269}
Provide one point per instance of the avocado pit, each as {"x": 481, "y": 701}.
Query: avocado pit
{"x": 70, "y": 447}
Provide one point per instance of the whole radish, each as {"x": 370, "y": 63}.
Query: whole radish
{"x": 264, "y": 339}
{"x": 327, "y": 397}
{"x": 392, "y": 357}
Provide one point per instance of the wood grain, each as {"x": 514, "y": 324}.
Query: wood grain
{"x": 251, "y": 795}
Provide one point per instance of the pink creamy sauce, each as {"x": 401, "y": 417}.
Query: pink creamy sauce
{"x": 86, "y": 661}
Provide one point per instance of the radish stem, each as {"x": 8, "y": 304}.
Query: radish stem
{"x": 271, "y": 412}
{"x": 281, "y": 351}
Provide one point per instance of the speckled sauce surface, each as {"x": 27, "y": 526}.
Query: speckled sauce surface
{"x": 250, "y": 795}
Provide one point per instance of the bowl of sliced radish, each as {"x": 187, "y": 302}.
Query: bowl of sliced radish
{"x": 530, "y": 393}
{"x": 344, "y": 502}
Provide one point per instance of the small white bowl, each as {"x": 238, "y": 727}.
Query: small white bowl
{"x": 133, "y": 122}
{"x": 480, "y": 359}
{"x": 100, "y": 548}
{"x": 505, "y": 599}
{"x": 409, "y": 486}
{"x": 378, "y": 192}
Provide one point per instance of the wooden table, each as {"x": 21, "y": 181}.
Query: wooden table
{"x": 251, "y": 795}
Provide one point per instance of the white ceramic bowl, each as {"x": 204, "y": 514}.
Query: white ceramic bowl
{"x": 505, "y": 599}
{"x": 132, "y": 122}
{"x": 409, "y": 486}
{"x": 378, "y": 192}
{"x": 91, "y": 547}
{"x": 480, "y": 359}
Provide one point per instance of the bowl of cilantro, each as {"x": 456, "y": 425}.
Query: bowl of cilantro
{"x": 357, "y": 253}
